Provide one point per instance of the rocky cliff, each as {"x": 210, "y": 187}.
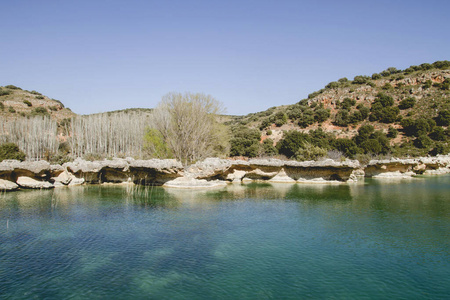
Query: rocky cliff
{"x": 211, "y": 172}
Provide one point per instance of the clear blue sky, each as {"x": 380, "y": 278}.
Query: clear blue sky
{"x": 98, "y": 56}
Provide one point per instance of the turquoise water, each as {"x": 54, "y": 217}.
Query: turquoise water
{"x": 375, "y": 240}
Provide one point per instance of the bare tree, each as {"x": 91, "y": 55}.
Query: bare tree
{"x": 188, "y": 125}
{"x": 120, "y": 134}
{"x": 37, "y": 137}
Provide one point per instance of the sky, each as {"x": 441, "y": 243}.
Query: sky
{"x": 98, "y": 56}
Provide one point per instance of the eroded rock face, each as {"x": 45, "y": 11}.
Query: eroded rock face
{"x": 408, "y": 167}
{"x": 154, "y": 171}
{"x": 12, "y": 169}
{"x": 211, "y": 171}
{"x": 273, "y": 169}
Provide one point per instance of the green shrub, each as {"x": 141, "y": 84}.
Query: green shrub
{"x": 39, "y": 97}
{"x": 342, "y": 118}
{"x": 155, "y": 145}
{"x": 40, "y": 111}
{"x": 355, "y": 117}
{"x": 371, "y": 146}
{"x": 387, "y": 86}
{"x": 384, "y": 100}
{"x": 445, "y": 64}
{"x": 245, "y": 142}
{"x": 364, "y": 110}
{"x": 291, "y": 142}
{"x": 306, "y": 119}
{"x": 392, "y": 132}
{"x": 438, "y": 134}
{"x": 310, "y": 152}
{"x": 443, "y": 118}
{"x": 11, "y": 109}
{"x": 264, "y": 124}
{"x": 268, "y": 148}
{"x": 427, "y": 84}
{"x": 269, "y": 132}
{"x": 361, "y": 79}
{"x": 28, "y": 103}
{"x": 376, "y": 76}
{"x": 11, "y": 151}
{"x": 440, "y": 148}
{"x": 347, "y": 103}
{"x": 12, "y": 87}
{"x": 2, "y": 106}
{"x": 35, "y": 93}
{"x": 332, "y": 85}
{"x": 420, "y": 126}
{"x": 346, "y": 146}
{"x": 423, "y": 141}
{"x": 321, "y": 115}
{"x": 280, "y": 119}
{"x": 364, "y": 133}
{"x": 407, "y": 103}
{"x": 4, "y": 92}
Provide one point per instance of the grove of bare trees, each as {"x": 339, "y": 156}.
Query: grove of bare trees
{"x": 183, "y": 126}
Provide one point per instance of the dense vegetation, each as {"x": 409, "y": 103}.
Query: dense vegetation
{"x": 395, "y": 112}
{"x": 391, "y": 113}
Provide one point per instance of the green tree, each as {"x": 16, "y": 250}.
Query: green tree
{"x": 321, "y": 115}
{"x": 309, "y": 152}
{"x": 245, "y": 142}
{"x": 11, "y": 151}
{"x": 346, "y": 146}
{"x": 407, "y": 103}
{"x": 155, "y": 146}
{"x": 443, "y": 118}
{"x": 268, "y": 148}
{"x": 291, "y": 142}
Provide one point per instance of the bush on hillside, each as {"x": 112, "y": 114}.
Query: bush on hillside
{"x": 443, "y": 118}
{"x": 245, "y": 142}
{"x": 346, "y": 146}
{"x": 310, "y": 152}
{"x": 11, "y": 151}
{"x": 268, "y": 148}
{"x": 4, "y": 92}
{"x": 291, "y": 142}
{"x": 407, "y": 103}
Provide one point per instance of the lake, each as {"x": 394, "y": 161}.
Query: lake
{"x": 369, "y": 240}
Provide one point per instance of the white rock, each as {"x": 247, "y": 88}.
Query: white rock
{"x": 282, "y": 177}
{"x": 76, "y": 181}
{"x": 30, "y": 183}
{"x": 6, "y": 185}
{"x": 192, "y": 183}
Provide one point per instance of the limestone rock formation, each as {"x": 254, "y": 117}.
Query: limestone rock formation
{"x": 6, "y": 185}
{"x": 30, "y": 183}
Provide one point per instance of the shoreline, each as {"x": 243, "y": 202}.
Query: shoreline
{"x": 211, "y": 172}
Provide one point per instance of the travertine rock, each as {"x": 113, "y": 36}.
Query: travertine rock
{"x": 6, "y": 185}
{"x": 30, "y": 183}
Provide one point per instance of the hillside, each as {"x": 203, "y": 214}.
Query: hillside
{"x": 397, "y": 113}
{"x": 391, "y": 101}
{"x": 17, "y": 103}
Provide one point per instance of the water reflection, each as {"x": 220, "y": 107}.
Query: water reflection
{"x": 242, "y": 241}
